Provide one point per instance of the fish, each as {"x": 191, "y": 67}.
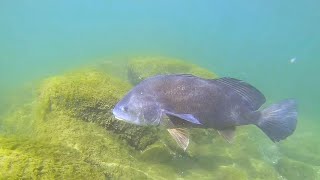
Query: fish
{"x": 179, "y": 102}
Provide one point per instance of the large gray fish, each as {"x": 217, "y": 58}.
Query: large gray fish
{"x": 182, "y": 101}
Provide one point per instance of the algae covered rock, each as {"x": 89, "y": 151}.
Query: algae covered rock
{"x": 97, "y": 147}
{"x": 302, "y": 148}
{"x": 90, "y": 96}
{"x": 295, "y": 170}
{"x": 141, "y": 68}
{"x": 67, "y": 148}
{"x": 19, "y": 121}
{"x": 28, "y": 159}
{"x": 260, "y": 170}
{"x": 158, "y": 153}
{"x": 230, "y": 173}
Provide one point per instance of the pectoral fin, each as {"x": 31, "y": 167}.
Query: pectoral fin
{"x": 181, "y": 136}
{"x": 187, "y": 117}
{"x": 228, "y": 134}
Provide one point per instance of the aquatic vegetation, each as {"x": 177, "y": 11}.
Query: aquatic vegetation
{"x": 19, "y": 121}
{"x": 11, "y": 108}
{"x": 140, "y": 68}
{"x": 97, "y": 146}
{"x": 297, "y": 149}
{"x": 242, "y": 154}
{"x": 294, "y": 170}
{"x": 22, "y": 158}
{"x": 90, "y": 96}
{"x": 70, "y": 145}
{"x": 230, "y": 173}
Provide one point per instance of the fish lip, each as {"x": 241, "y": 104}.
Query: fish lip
{"x": 118, "y": 118}
{"x": 115, "y": 115}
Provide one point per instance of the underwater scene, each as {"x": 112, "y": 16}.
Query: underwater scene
{"x": 66, "y": 68}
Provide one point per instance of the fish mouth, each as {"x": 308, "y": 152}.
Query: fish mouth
{"x": 121, "y": 119}
{"x": 116, "y": 115}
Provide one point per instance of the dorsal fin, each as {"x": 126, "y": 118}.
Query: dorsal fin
{"x": 186, "y": 75}
{"x": 252, "y": 96}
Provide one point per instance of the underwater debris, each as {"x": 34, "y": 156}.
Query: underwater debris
{"x": 292, "y": 60}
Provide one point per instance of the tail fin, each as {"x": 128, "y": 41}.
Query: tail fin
{"x": 279, "y": 121}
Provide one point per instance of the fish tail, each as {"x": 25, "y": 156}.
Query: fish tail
{"x": 279, "y": 121}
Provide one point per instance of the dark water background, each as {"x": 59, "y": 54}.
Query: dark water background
{"x": 251, "y": 40}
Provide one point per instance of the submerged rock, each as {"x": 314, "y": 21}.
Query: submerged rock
{"x": 230, "y": 173}
{"x": 142, "y": 67}
{"x": 302, "y": 147}
{"x": 261, "y": 170}
{"x": 30, "y": 159}
{"x": 90, "y": 96}
{"x": 295, "y": 170}
{"x": 157, "y": 153}
{"x": 67, "y": 148}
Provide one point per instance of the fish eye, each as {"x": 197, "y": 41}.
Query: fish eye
{"x": 125, "y": 108}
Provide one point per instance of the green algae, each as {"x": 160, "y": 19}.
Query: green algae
{"x": 230, "y": 173}
{"x": 96, "y": 145}
{"x": 294, "y": 170}
{"x": 81, "y": 93}
{"x": 90, "y": 96}
{"x": 140, "y": 68}
{"x": 29, "y": 159}
{"x": 297, "y": 149}
{"x": 260, "y": 170}
{"x": 244, "y": 153}
{"x": 158, "y": 153}
{"x": 19, "y": 121}
{"x": 90, "y": 143}
{"x": 97, "y": 152}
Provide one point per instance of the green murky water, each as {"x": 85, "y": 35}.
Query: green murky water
{"x": 64, "y": 65}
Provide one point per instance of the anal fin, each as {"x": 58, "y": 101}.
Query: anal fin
{"x": 228, "y": 133}
{"x": 181, "y": 136}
